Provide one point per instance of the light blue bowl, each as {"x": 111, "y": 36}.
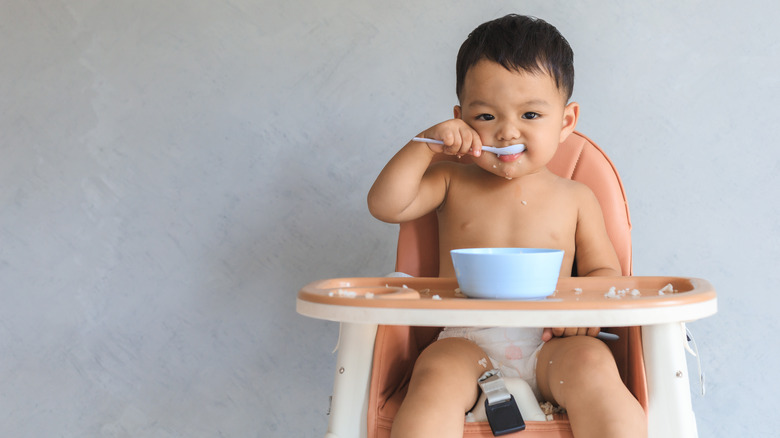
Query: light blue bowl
{"x": 507, "y": 273}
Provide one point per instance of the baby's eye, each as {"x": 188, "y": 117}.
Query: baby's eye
{"x": 530, "y": 115}
{"x": 486, "y": 117}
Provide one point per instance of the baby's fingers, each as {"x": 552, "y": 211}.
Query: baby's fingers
{"x": 476, "y": 145}
{"x": 564, "y": 332}
{"x": 471, "y": 143}
{"x": 558, "y": 331}
{"x": 452, "y": 143}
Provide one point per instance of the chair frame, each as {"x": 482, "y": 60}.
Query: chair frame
{"x": 666, "y": 393}
{"x": 668, "y": 387}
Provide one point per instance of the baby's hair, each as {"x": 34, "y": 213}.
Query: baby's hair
{"x": 519, "y": 43}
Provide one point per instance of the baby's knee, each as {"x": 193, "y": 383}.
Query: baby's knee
{"x": 447, "y": 371}
{"x": 453, "y": 357}
{"x": 592, "y": 357}
{"x": 591, "y": 349}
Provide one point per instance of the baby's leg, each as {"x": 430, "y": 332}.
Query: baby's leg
{"x": 580, "y": 374}
{"x": 442, "y": 389}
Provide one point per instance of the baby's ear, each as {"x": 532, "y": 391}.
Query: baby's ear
{"x": 571, "y": 114}
{"x": 456, "y": 111}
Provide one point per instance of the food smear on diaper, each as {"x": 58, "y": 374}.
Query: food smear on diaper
{"x": 513, "y": 352}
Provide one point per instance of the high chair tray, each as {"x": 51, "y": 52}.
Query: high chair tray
{"x": 578, "y": 301}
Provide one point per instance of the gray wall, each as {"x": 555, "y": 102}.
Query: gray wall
{"x": 172, "y": 172}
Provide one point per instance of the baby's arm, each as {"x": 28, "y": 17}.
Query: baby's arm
{"x": 595, "y": 255}
{"x": 408, "y": 187}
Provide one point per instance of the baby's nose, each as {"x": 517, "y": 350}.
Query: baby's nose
{"x": 508, "y": 131}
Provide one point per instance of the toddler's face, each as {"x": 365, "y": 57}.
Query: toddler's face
{"x": 507, "y": 107}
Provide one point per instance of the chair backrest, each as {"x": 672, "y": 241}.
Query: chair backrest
{"x": 579, "y": 159}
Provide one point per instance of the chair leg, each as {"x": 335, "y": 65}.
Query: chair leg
{"x": 352, "y": 381}
{"x": 669, "y": 394}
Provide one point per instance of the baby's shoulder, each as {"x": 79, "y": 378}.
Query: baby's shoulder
{"x": 574, "y": 190}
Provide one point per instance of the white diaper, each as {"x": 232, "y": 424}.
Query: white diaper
{"x": 513, "y": 350}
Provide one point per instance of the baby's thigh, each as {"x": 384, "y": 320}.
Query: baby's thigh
{"x": 571, "y": 363}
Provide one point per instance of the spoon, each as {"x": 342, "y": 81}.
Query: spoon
{"x": 508, "y": 150}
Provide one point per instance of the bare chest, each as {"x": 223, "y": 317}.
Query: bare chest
{"x": 507, "y": 216}
{"x": 510, "y": 222}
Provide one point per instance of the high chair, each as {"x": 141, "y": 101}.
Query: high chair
{"x": 387, "y": 322}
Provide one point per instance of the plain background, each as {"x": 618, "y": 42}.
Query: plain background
{"x": 172, "y": 172}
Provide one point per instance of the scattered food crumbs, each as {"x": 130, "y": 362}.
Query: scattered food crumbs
{"x": 577, "y": 290}
{"x": 523, "y": 202}
{"x": 561, "y": 382}
{"x": 459, "y": 294}
{"x": 548, "y": 409}
{"x": 483, "y": 362}
{"x": 668, "y": 289}
{"x": 436, "y": 297}
{"x": 369, "y": 295}
{"x": 406, "y": 287}
{"x": 550, "y": 362}
{"x": 614, "y": 293}
{"x": 346, "y": 293}
{"x": 425, "y": 291}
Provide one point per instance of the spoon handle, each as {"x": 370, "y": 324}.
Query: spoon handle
{"x": 428, "y": 140}
{"x": 499, "y": 151}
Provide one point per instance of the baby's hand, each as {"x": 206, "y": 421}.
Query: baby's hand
{"x": 459, "y": 138}
{"x": 564, "y": 332}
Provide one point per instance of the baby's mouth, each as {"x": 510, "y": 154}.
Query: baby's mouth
{"x": 510, "y": 158}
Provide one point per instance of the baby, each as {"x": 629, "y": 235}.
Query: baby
{"x": 515, "y": 77}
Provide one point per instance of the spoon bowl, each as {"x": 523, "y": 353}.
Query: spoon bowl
{"x": 508, "y": 150}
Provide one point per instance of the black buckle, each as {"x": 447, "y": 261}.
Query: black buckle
{"x": 500, "y": 406}
{"x": 504, "y": 417}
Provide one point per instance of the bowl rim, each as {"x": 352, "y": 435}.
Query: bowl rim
{"x": 505, "y": 251}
